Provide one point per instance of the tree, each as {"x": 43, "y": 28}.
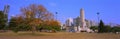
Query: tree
{"x": 94, "y": 28}
{"x": 34, "y": 23}
{"x": 101, "y": 27}
{"x": 13, "y": 24}
{"x": 35, "y": 15}
{"x": 3, "y": 20}
{"x": 18, "y": 24}
{"x": 115, "y": 29}
{"x": 107, "y": 28}
{"x": 53, "y": 24}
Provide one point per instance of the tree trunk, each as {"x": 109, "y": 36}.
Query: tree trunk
{"x": 33, "y": 29}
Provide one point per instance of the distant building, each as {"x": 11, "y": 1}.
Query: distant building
{"x": 88, "y": 23}
{"x": 78, "y": 24}
{"x": 69, "y": 22}
{"x": 6, "y": 10}
{"x": 93, "y": 23}
{"x": 69, "y": 25}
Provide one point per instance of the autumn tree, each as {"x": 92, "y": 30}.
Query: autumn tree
{"x": 35, "y": 15}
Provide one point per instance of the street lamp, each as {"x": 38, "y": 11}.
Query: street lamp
{"x": 98, "y": 17}
{"x": 56, "y": 14}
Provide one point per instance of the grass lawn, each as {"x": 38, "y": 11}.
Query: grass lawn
{"x": 58, "y": 35}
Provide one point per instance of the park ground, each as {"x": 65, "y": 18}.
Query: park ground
{"x": 58, "y": 35}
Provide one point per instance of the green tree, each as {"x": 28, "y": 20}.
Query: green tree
{"x": 94, "y": 28}
{"x": 107, "y": 28}
{"x": 3, "y": 20}
{"x": 115, "y": 29}
{"x": 18, "y": 24}
{"x": 52, "y": 25}
{"x": 101, "y": 28}
{"x": 13, "y": 24}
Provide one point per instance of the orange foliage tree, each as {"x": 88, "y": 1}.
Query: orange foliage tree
{"x": 36, "y": 15}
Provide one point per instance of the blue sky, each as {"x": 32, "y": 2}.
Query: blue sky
{"x": 109, "y": 9}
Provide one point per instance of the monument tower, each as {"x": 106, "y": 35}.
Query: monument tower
{"x": 82, "y": 19}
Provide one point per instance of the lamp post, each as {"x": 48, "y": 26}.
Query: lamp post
{"x": 98, "y": 14}
{"x": 56, "y": 14}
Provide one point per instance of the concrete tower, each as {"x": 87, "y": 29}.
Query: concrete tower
{"x": 6, "y": 10}
{"x": 82, "y": 19}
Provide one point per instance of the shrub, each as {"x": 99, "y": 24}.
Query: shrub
{"x": 15, "y": 29}
{"x": 55, "y": 28}
{"x": 115, "y": 29}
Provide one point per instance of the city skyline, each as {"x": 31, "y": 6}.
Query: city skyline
{"x": 108, "y": 9}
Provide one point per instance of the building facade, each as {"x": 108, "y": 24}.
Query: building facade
{"x": 79, "y": 23}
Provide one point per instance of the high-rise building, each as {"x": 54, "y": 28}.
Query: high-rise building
{"x": 6, "y": 10}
